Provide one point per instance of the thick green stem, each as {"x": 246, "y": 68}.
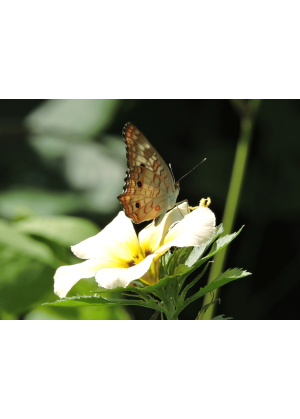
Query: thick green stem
{"x": 169, "y": 308}
{"x": 248, "y": 112}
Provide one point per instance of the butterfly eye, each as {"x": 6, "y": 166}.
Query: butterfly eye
{"x": 137, "y": 205}
{"x": 139, "y": 184}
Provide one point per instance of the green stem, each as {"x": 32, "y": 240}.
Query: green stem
{"x": 183, "y": 294}
{"x": 175, "y": 293}
{"x": 248, "y": 112}
{"x": 169, "y": 308}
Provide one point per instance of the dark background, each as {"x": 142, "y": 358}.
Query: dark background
{"x": 68, "y": 158}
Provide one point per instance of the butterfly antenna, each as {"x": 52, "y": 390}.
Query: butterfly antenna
{"x": 191, "y": 170}
{"x": 172, "y": 171}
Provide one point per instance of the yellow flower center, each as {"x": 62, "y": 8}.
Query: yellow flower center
{"x": 135, "y": 260}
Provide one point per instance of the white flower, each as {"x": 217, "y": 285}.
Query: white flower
{"x": 116, "y": 256}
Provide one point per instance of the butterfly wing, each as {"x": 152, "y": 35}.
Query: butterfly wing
{"x": 144, "y": 196}
{"x": 149, "y": 186}
{"x": 140, "y": 152}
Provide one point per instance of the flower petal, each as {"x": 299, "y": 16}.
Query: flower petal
{"x": 117, "y": 242}
{"x": 119, "y": 277}
{"x": 194, "y": 230}
{"x": 151, "y": 237}
{"x": 67, "y": 276}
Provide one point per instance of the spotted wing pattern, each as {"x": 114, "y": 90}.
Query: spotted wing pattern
{"x": 148, "y": 182}
{"x": 140, "y": 152}
{"x": 144, "y": 196}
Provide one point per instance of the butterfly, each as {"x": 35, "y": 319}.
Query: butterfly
{"x": 149, "y": 190}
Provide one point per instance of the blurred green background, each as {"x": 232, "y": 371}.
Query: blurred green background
{"x": 62, "y": 165}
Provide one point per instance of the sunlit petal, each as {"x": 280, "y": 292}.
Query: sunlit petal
{"x": 116, "y": 242}
{"x": 67, "y": 276}
{"x": 119, "y": 277}
{"x": 151, "y": 237}
{"x": 194, "y": 230}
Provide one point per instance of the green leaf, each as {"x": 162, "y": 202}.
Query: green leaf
{"x": 23, "y": 281}
{"x": 146, "y": 289}
{"x": 29, "y": 202}
{"x": 166, "y": 289}
{"x": 117, "y": 290}
{"x": 196, "y": 255}
{"x": 172, "y": 263}
{"x": 64, "y": 230}
{"x": 25, "y": 245}
{"x": 223, "y": 242}
{"x": 161, "y": 284}
{"x": 78, "y": 313}
{"x": 217, "y": 246}
{"x": 181, "y": 269}
{"x": 163, "y": 266}
{"x": 166, "y": 257}
{"x": 224, "y": 278}
{"x": 183, "y": 254}
{"x": 203, "y": 309}
{"x": 221, "y": 317}
{"x": 198, "y": 251}
{"x": 74, "y": 117}
{"x": 192, "y": 283}
{"x": 85, "y": 300}
{"x": 4, "y": 315}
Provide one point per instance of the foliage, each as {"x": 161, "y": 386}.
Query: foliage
{"x": 67, "y": 158}
{"x": 168, "y": 296}
{"x": 30, "y": 251}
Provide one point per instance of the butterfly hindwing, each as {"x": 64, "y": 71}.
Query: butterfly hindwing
{"x": 144, "y": 208}
{"x": 144, "y": 194}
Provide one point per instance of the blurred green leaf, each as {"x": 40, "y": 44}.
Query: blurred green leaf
{"x": 96, "y": 170}
{"x": 71, "y": 117}
{"x": 67, "y": 136}
{"x": 222, "y": 317}
{"x": 78, "y": 313}
{"x": 9, "y": 236}
{"x": 23, "y": 281}
{"x": 28, "y": 202}
{"x": 64, "y": 230}
{"x": 4, "y": 315}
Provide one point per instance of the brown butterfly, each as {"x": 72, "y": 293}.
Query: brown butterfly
{"x": 149, "y": 190}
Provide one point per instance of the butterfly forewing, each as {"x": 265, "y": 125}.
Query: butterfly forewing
{"x": 139, "y": 151}
{"x": 149, "y": 186}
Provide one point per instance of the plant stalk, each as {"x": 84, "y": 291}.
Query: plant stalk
{"x": 247, "y": 112}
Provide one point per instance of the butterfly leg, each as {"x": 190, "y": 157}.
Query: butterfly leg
{"x": 178, "y": 203}
{"x": 202, "y": 203}
{"x": 161, "y": 216}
